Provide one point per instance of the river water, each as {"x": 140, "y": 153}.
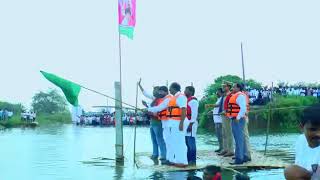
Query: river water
{"x": 65, "y": 152}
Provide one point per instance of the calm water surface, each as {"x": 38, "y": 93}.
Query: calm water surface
{"x": 68, "y": 152}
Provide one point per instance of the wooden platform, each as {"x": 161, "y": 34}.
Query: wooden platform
{"x": 259, "y": 161}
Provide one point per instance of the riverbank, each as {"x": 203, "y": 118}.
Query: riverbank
{"x": 42, "y": 119}
{"x": 286, "y": 113}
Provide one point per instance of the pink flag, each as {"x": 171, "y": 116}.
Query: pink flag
{"x": 127, "y": 17}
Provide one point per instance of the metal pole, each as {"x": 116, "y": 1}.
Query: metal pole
{"x": 135, "y": 126}
{"x": 243, "y": 71}
{"x": 269, "y": 119}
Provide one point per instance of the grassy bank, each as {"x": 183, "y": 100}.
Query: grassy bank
{"x": 284, "y": 119}
{"x": 42, "y": 119}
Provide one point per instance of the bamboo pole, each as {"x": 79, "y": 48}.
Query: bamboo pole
{"x": 269, "y": 119}
{"x": 135, "y": 126}
{"x": 243, "y": 69}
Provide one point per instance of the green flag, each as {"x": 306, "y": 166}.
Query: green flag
{"x": 70, "y": 89}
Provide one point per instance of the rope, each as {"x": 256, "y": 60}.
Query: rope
{"x": 110, "y": 97}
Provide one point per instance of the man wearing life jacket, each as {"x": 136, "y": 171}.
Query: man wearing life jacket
{"x": 156, "y": 130}
{"x": 192, "y": 115}
{"x": 176, "y": 114}
{"x": 238, "y": 111}
{"x": 162, "y": 116}
{"x": 227, "y": 137}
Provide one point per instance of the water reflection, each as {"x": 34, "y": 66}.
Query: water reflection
{"x": 119, "y": 168}
{"x": 70, "y": 152}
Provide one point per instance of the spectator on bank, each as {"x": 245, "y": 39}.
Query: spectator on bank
{"x": 5, "y": 114}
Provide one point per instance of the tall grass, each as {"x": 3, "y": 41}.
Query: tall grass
{"x": 64, "y": 118}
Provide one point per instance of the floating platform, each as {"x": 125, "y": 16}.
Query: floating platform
{"x": 205, "y": 158}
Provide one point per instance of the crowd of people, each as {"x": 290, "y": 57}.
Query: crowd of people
{"x": 5, "y": 114}
{"x": 28, "y": 116}
{"x": 108, "y": 119}
{"x": 263, "y": 95}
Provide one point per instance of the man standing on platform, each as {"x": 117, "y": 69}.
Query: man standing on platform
{"x": 192, "y": 115}
{"x": 218, "y": 109}
{"x": 156, "y": 129}
{"x": 238, "y": 111}
{"x": 176, "y": 114}
{"x": 227, "y": 139}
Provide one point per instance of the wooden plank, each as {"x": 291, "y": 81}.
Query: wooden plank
{"x": 259, "y": 161}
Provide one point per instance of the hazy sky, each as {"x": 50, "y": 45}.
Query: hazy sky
{"x": 183, "y": 41}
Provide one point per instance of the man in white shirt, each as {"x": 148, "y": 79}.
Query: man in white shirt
{"x": 192, "y": 115}
{"x": 176, "y": 113}
{"x": 76, "y": 113}
{"x": 307, "y": 161}
{"x": 217, "y": 118}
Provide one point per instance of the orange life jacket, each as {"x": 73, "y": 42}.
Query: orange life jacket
{"x": 162, "y": 115}
{"x": 174, "y": 111}
{"x": 234, "y": 108}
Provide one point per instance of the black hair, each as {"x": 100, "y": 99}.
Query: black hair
{"x": 311, "y": 114}
{"x": 191, "y": 89}
{"x": 164, "y": 88}
{"x": 211, "y": 169}
{"x": 176, "y": 86}
{"x": 240, "y": 86}
{"x": 156, "y": 87}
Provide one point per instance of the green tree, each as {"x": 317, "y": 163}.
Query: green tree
{"x": 210, "y": 94}
{"x": 254, "y": 84}
{"x": 49, "y": 102}
{"x": 212, "y": 89}
{"x": 15, "y": 108}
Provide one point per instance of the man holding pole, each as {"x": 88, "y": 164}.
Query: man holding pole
{"x": 238, "y": 111}
{"x": 176, "y": 114}
{"x": 156, "y": 129}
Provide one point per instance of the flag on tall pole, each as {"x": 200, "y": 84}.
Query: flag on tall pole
{"x": 70, "y": 89}
{"x": 127, "y": 17}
